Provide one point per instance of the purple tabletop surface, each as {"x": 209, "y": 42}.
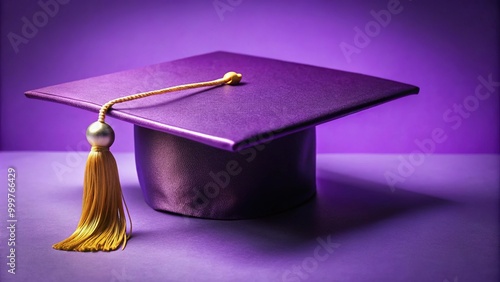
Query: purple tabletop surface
{"x": 439, "y": 223}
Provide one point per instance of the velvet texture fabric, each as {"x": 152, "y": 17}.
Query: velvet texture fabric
{"x": 194, "y": 148}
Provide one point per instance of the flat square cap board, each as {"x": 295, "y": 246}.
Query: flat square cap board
{"x": 228, "y": 151}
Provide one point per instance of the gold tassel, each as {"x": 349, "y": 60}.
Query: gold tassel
{"x": 103, "y": 226}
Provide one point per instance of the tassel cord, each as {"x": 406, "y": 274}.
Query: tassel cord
{"x": 229, "y": 78}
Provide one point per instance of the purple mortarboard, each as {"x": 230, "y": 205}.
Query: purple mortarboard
{"x": 227, "y": 151}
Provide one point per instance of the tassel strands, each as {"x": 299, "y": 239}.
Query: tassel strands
{"x": 102, "y": 225}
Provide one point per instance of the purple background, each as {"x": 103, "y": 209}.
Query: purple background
{"x": 440, "y": 46}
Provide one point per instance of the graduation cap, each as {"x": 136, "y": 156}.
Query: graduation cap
{"x": 209, "y": 149}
